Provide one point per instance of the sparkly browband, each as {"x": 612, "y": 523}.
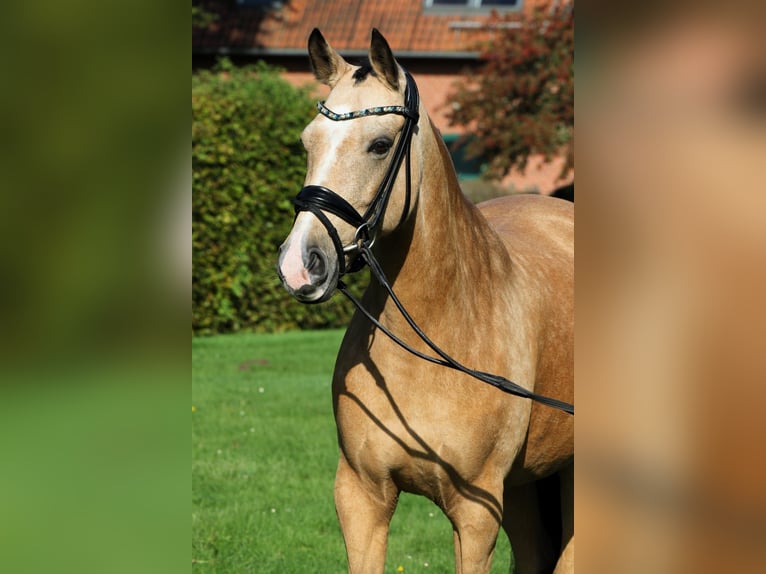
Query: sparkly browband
{"x": 378, "y": 111}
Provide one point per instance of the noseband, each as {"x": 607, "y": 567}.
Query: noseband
{"x": 318, "y": 199}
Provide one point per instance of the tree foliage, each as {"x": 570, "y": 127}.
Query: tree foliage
{"x": 521, "y": 101}
{"x": 247, "y": 162}
{"x": 201, "y": 15}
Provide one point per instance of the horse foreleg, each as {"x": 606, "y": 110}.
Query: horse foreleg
{"x": 364, "y": 510}
{"x": 565, "y": 564}
{"x": 475, "y": 522}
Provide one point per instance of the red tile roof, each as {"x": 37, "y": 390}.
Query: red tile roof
{"x": 406, "y": 24}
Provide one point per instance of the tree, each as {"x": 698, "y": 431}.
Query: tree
{"x": 247, "y": 162}
{"x": 201, "y": 15}
{"x": 521, "y": 101}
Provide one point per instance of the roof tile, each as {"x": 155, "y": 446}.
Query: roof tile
{"x": 345, "y": 23}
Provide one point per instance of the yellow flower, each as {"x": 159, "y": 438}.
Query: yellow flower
{"x": 194, "y": 408}
{"x": 400, "y": 568}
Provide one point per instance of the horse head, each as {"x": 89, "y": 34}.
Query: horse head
{"x": 354, "y": 190}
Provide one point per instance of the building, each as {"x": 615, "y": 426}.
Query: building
{"x": 438, "y": 41}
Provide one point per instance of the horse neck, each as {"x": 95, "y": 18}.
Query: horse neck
{"x": 446, "y": 249}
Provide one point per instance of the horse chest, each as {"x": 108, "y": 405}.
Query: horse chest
{"x": 420, "y": 433}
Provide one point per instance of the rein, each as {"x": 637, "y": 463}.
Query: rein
{"x": 317, "y": 199}
{"x": 445, "y": 361}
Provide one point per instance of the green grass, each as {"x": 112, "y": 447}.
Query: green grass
{"x": 264, "y": 453}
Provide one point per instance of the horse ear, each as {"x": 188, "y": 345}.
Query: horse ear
{"x": 327, "y": 64}
{"x": 382, "y": 60}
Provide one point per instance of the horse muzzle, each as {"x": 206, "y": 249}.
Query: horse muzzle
{"x": 308, "y": 272}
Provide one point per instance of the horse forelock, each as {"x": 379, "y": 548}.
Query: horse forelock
{"x": 363, "y": 71}
{"x": 366, "y": 70}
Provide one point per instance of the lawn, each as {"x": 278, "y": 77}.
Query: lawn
{"x": 264, "y": 453}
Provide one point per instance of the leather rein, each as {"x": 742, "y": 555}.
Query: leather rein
{"x": 318, "y": 199}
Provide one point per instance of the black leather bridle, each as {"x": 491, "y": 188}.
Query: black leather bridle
{"x": 318, "y": 199}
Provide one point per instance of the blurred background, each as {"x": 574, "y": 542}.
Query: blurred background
{"x": 671, "y": 106}
{"x": 94, "y": 221}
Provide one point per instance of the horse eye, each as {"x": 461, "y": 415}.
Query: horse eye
{"x": 380, "y": 146}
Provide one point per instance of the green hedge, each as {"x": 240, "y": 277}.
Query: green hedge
{"x": 247, "y": 162}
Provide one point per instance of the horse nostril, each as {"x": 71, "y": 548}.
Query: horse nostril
{"x": 316, "y": 264}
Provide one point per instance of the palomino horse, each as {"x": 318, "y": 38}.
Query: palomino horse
{"x": 491, "y": 285}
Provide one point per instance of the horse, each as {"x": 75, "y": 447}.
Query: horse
{"x": 491, "y": 284}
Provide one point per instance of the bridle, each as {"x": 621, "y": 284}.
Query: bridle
{"x": 318, "y": 199}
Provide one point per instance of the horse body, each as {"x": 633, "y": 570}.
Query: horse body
{"x": 538, "y": 233}
{"x": 493, "y": 287}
